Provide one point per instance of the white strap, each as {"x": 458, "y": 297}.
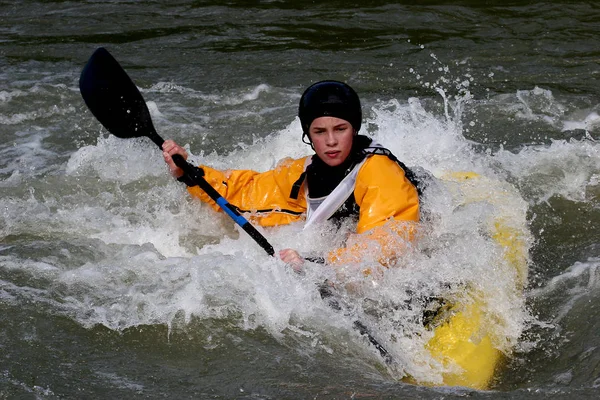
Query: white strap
{"x": 321, "y": 209}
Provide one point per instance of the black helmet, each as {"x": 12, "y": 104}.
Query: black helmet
{"x": 329, "y": 99}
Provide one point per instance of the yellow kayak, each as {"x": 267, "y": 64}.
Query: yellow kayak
{"x": 464, "y": 340}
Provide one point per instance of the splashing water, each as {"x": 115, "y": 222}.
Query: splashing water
{"x": 172, "y": 258}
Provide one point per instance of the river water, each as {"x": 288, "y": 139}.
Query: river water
{"x": 115, "y": 284}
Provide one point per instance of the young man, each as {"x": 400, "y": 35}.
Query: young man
{"x": 348, "y": 176}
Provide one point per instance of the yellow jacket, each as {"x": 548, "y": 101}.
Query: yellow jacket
{"x": 388, "y": 202}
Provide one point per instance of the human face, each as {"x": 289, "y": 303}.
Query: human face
{"x": 332, "y": 139}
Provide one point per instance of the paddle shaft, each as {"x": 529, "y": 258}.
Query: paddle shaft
{"x": 260, "y": 239}
{"x": 192, "y": 172}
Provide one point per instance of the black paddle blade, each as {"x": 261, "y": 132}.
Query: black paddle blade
{"x": 114, "y": 99}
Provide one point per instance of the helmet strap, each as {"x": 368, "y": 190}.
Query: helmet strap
{"x": 306, "y": 139}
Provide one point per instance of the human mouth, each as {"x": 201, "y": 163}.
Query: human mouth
{"x": 332, "y": 154}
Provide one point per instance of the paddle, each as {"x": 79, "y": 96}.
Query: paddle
{"x": 117, "y": 103}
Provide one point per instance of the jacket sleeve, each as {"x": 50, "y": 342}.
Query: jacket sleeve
{"x": 389, "y": 211}
{"x": 263, "y": 196}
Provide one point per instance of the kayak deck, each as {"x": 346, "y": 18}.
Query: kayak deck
{"x": 462, "y": 339}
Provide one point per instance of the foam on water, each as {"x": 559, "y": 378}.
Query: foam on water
{"x": 160, "y": 257}
{"x": 155, "y": 276}
{"x": 565, "y": 168}
{"x": 97, "y": 232}
{"x": 27, "y": 156}
{"x": 590, "y": 121}
{"x": 580, "y": 280}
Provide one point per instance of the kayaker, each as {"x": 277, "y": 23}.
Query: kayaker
{"x": 348, "y": 176}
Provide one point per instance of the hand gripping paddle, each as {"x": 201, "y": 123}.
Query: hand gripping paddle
{"x": 117, "y": 103}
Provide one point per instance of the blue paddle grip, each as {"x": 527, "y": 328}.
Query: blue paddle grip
{"x": 224, "y": 204}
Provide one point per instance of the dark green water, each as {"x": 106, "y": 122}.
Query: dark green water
{"x": 113, "y": 284}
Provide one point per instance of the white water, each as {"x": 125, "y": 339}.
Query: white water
{"x": 169, "y": 257}
{"x": 159, "y": 257}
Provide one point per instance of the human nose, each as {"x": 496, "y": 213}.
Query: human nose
{"x": 331, "y": 139}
